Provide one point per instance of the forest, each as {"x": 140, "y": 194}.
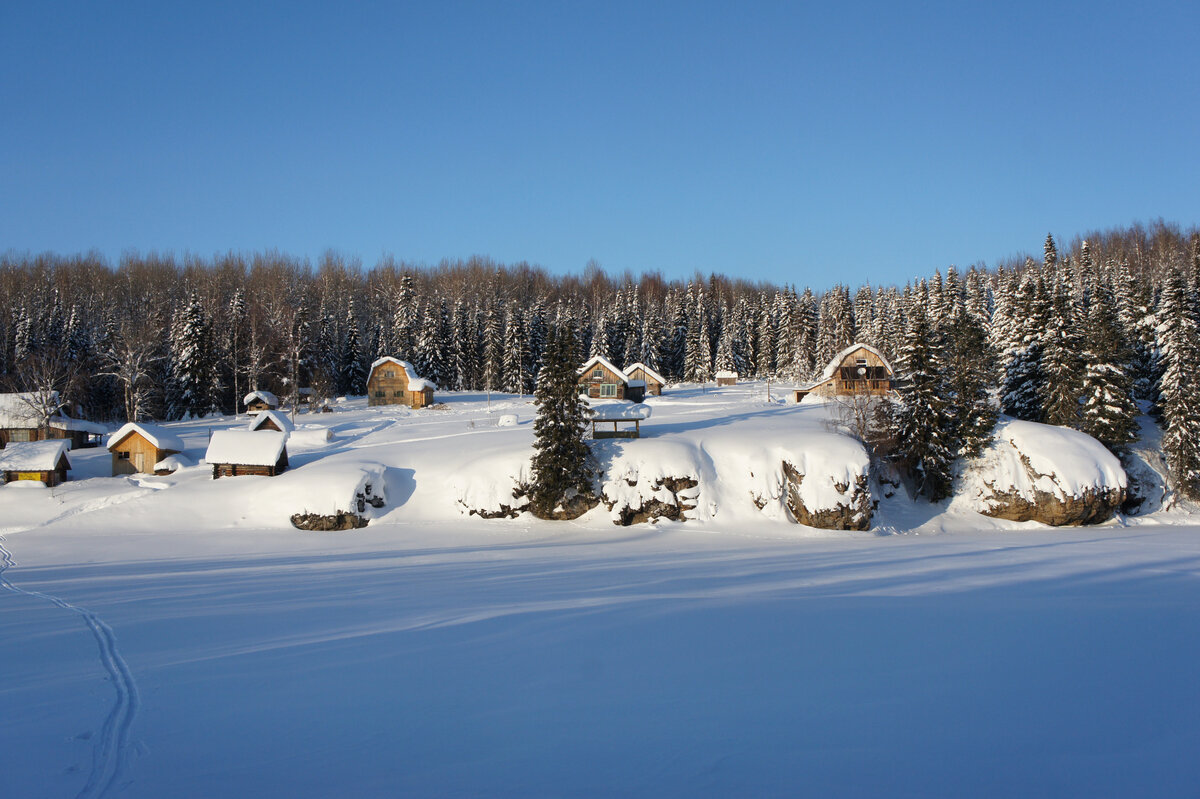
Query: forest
{"x": 1076, "y": 337}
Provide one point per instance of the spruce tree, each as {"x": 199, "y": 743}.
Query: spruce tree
{"x": 969, "y": 375}
{"x": 562, "y": 462}
{"x": 1179, "y": 386}
{"x": 1109, "y": 413}
{"x": 919, "y": 416}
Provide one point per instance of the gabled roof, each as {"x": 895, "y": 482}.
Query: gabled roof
{"x": 34, "y": 456}
{"x": 633, "y": 367}
{"x": 265, "y": 396}
{"x": 281, "y": 421}
{"x": 415, "y": 381}
{"x": 832, "y": 367}
{"x": 607, "y": 364}
{"x": 726, "y": 373}
{"x": 246, "y": 448}
{"x": 159, "y": 437}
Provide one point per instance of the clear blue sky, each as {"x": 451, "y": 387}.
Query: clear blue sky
{"x": 791, "y": 142}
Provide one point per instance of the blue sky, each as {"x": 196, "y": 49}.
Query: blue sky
{"x": 790, "y": 142}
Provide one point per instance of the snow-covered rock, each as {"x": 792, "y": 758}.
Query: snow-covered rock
{"x": 647, "y": 480}
{"x": 847, "y": 507}
{"x": 1038, "y": 472}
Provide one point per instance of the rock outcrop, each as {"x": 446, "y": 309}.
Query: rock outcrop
{"x": 1042, "y": 473}
{"x": 342, "y": 520}
{"x": 851, "y": 511}
{"x": 662, "y": 498}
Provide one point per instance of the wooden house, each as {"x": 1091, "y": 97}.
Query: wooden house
{"x": 617, "y": 419}
{"x": 41, "y": 461}
{"x": 860, "y": 369}
{"x": 258, "y": 401}
{"x": 142, "y": 449}
{"x": 20, "y": 420}
{"x": 272, "y": 420}
{"x": 653, "y": 380}
{"x": 233, "y": 453}
{"x": 726, "y": 378}
{"x": 395, "y": 382}
{"x": 600, "y": 379}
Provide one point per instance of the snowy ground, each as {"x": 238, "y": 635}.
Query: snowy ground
{"x": 173, "y": 637}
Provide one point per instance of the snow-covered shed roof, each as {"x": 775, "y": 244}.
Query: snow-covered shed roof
{"x": 653, "y": 375}
{"x": 726, "y": 373}
{"x": 20, "y": 409}
{"x": 607, "y": 364}
{"x": 173, "y": 463}
{"x": 246, "y": 448}
{"x": 33, "y": 456}
{"x": 81, "y": 425}
{"x": 265, "y": 396}
{"x": 415, "y": 381}
{"x": 832, "y": 367}
{"x": 610, "y": 410}
{"x": 158, "y": 436}
{"x": 281, "y": 421}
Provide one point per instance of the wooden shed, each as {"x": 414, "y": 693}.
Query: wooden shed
{"x": 726, "y": 378}
{"x": 396, "y": 382}
{"x": 600, "y": 379}
{"x": 257, "y": 401}
{"x": 653, "y": 380}
{"x": 141, "y": 448}
{"x": 272, "y": 420}
{"x": 41, "y": 461}
{"x": 20, "y": 420}
{"x": 859, "y": 369}
{"x": 233, "y": 453}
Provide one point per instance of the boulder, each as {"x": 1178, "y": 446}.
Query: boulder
{"x": 1043, "y": 473}
{"x": 342, "y": 520}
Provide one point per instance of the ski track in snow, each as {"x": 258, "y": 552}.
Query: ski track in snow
{"x": 111, "y": 753}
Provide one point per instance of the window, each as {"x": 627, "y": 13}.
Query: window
{"x": 389, "y": 373}
{"x": 608, "y": 389}
{"x": 20, "y": 435}
{"x": 122, "y": 456}
{"x": 861, "y": 361}
{"x": 397, "y": 393}
{"x": 380, "y": 393}
{"x": 598, "y": 374}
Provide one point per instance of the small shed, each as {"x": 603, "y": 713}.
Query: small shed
{"x": 42, "y": 461}
{"x": 396, "y": 382}
{"x": 618, "y": 419}
{"x": 272, "y": 420}
{"x": 599, "y": 378}
{"x": 653, "y": 380}
{"x": 258, "y": 401}
{"x": 233, "y": 453}
{"x": 726, "y": 378}
{"x": 140, "y": 448}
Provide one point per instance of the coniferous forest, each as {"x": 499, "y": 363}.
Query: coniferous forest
{"x": 1075, "y": 337}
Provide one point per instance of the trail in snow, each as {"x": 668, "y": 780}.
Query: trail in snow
{"x": 111, "y": 753}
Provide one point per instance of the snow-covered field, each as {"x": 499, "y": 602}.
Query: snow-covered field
{"x": 176, "y": 637}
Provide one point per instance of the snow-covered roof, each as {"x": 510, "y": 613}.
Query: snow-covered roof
{"x": 173, "y": 463}
{"x": 281, "y": 421}
{"x": 650, "y": 373}
{"x": 832, "y": 367}
{"x": 246, "y": 448}
{"x": 20, "y": 409}
{"x": 607, "y": 364}
{"x": 265, "y": 396}
{"x": 159, "y": 437}
{"x": 33, "y": 456}
{"x": 635, "y": 383}
{"x": 619, "y": 410}
{"x": 415, "y": 381}
{"x": 81, "y": 425}
{"x": 726, "y": 373}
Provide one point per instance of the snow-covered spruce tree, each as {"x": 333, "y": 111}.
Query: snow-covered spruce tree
{"x": 562, "y": 463}
{"x": 193, "y": 362}
{"x": 514, "y": 364}
{"x": 1062, "y": 365}
{"x": 919, "y": 415}
{"x": 1109, "y": 413}
{"x": 352, "y": 378}
{"x": 1022, "y": 357}
{"x": 969, "y": 378}
{"x": 1179, "y": 387}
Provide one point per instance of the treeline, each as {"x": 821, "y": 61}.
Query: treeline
{"x": 1071, "y": 338}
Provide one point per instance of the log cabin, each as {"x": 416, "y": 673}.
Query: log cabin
{"x": 600, "y": 379}
{"x": 257, "y": 401}
{"x": 860, "y": 369}
{"x": 143, "y": 449}
{"x": 726, "y": 378}
{"x": 233, "y": 453}
{"x": 20, "y": 420}
{"x": 39, "y": 461}
{"x": 653, "y": 380}
{"x": 272, "y": 420}
{"x": 396, "y": 382}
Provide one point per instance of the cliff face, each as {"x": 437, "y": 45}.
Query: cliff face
{"x": 849, "y": 511}
{"x": 1042, "y": 473}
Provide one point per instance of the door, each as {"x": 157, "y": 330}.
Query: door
{"x": 139, "y": 461}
